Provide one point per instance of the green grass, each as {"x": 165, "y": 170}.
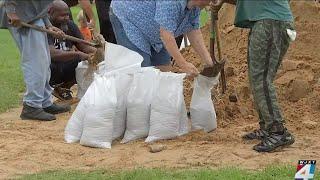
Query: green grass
{"x": 272, "y": 173}
{"x": 11, "y": 80}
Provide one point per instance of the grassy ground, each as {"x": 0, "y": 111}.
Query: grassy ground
{"x": 11, "y": 80}
{"x": 272, "y": 173}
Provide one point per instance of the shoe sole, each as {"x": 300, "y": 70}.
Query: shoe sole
{"x": 58, "y": 112}
{"x": 34, "y": 119}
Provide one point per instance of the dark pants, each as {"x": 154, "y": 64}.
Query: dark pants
{"x": 268, "y": 43}
{"x": 106, "y": 30}
{"x": 63, "y": 73}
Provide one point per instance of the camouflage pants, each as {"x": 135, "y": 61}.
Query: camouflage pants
{"x": 268, "y": 43}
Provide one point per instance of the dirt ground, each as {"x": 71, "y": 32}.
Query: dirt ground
{"x": 31, "y": 146}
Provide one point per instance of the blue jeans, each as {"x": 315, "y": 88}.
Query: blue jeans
{"x": 35, "y": 62}
{"x": 155, "y": 59}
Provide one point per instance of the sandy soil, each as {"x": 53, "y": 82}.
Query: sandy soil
{"x": 31, "y": 146}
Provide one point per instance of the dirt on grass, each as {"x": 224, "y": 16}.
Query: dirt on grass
{"x": 31, "y": 146}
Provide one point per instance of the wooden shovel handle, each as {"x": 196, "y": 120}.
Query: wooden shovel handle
{"x": 71, "y": 38}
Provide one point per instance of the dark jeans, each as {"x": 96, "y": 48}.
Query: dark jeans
{"x": 63, "y": 73}
{"x": 106, "y": 30}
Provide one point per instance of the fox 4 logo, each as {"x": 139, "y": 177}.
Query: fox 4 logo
{"x": 305, "y": 170}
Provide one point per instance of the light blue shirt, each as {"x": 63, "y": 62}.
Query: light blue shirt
{"x": 142, "y": 20}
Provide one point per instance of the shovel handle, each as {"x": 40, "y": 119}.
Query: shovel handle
{"x": 216, "y": 35}
{"x": 71, "y": 38}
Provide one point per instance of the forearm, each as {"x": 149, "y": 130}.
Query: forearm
{"x": 171, "y": 45}
{"x": 62, "y": 56}
{"x": 196, "y": 39}
{"x": 86, "y": 6}
{"x": 85, "y": 48}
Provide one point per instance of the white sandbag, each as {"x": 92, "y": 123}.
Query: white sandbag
{"x": 100, "y": 112}
{"x": 139, "y": 103}
{"x": 73, "y": 130}
{"x": 84, "y": 77}
{"x": 123, "y": 83}
{"x": 183, "y": 123}
{"x": 121, "y": 59}
{"x": 166, "y": 107}
{"x": 203, "y": 115}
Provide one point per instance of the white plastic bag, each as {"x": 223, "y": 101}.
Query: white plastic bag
{"x": 123, "y": 83}
{"x": 121, "y": 59}
{"x": 73, "y": 130}
{"x": 166, "y": 108}
{"x": 98, "y": 121}
{"x": 139, "y": 103}
{"x": 203, "y": 114}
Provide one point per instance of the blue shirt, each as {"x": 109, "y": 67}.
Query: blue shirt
{"x": 142, "y": 20}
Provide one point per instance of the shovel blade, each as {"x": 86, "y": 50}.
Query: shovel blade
{"x": 214, "y": 70}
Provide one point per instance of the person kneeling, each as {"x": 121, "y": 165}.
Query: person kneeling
{"x": 64, "y": 57}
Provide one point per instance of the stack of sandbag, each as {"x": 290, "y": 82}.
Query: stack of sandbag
{"x": 100, "y": 116}
{"x": 124, "y": 63}
{"x": 139, "y": 103}
{"x": 92, "y": 121}
{"x": 203, "y": 115}
{"x": 123, "y": 83}
{"x": 168, "y": 118}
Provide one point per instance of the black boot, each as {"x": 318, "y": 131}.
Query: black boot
{"x": 57, "y": 109}
{"x": 31, "y": 113}
{"x": 272, "y": 141}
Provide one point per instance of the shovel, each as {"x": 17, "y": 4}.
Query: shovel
{"x": 218, "y": 66}
{"x": 71, "y": 38}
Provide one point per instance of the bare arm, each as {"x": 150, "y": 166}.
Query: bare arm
{"x": 85, "y": 48}
{"x": 170, "y": 44}
{"x": 196, "y": 39}
{"x": 58, "y": 55}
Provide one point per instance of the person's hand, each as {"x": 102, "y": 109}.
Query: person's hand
{"x": 83, "y": 56}
{"x": 208, "y": 62}
{"x": 189, "y": 69}
{"x": 14, "y": 20}
{"x": 59, "y": 33}
{"x": 216, "y": 5}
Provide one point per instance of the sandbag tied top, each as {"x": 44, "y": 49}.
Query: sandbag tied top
{"x": 203, "y": 115}
{"x": 166, "y": 107}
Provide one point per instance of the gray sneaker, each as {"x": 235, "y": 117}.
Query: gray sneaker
{"x": 57, "y": 109}
{"x": 31, "y": 113}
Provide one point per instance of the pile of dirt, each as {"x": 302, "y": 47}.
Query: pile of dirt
{"x": 298, "y": 79}
{"x": 31, "y": 146}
